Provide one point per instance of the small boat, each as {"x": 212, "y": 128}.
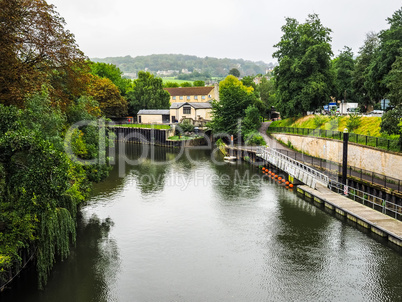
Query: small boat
{"x": 230, "y": 158}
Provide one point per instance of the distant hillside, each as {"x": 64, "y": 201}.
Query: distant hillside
{"x": 174, "y": 65}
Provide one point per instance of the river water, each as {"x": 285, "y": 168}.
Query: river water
{"x": 193, "y": 228}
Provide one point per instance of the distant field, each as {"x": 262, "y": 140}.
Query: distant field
{"x": 173, "y": 80}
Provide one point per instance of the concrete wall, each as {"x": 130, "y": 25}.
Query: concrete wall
{"x": 382, "y": 162}
{"x": 149, "y": 119}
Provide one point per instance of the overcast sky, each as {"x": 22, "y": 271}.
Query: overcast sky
{"x": 215, "y": 28}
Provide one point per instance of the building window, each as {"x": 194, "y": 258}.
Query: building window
{"x": 188, "y": 97}
{"x": 174, "y": 97}
{"x": 196, "y": 97}
{"x": 181, "y": 97}
{"x": 186, "y": 110}
{"x": 203, "y": 97}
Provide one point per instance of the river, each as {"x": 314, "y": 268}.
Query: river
{"x": 193, "y": 228}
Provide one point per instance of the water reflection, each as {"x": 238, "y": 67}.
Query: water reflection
{"x": 89, "y": 273}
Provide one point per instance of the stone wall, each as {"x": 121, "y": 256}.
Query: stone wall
{"x": 371, "y": 159}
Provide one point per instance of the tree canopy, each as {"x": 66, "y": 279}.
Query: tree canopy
{"x": 304, "y": 78}
{"x": 344, "y": 66}
{"x": 36, "y": 50}
{"x": 234, "y": 99}
{"x": 147, "y": 93}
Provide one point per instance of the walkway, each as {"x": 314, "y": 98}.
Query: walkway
{"x": 333, "y": 169}
{"x": 375, "y": 221}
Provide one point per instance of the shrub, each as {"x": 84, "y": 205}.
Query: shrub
{"x": 318, "y": 121}
{"x": 353, "y": 122}
{"x": 254, "y": 139}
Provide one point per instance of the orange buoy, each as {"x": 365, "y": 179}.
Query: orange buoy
{"x": 291, "y": 186}
{"x": 279, "y": 178}
{"x": 287, "y": 183}
{"x": 276, "y": 176}
{"x": 283, "y": 180}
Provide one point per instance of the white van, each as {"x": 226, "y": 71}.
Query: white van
{"x": 376, "y": 113}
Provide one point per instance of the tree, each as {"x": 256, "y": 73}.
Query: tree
{"x": 147, "y": 93}
{"x": 344, "y": 66}
{"x": 304, "y": 79}
{"x": 267, "y": 93}
{"x": 384, "y": 57}
{"x": 198, "y": 83}
{"x": 186, "y": 84}
{"x": 36, "y": 50}
{"x": 235, "y": 72}
{"x": 113, "y": 73}
{"x": 394, "y": 81}
{"x": 234, "y": 99}
{"x": 360, "y": 73}
{"x": 171, "y": 84}
{"x": 251, "y": 121}
{"x": 111, "y": 103}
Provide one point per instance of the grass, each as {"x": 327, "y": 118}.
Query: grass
{"x": 147, "y": 126}
{"x": 182, "y": 138}
{"x": 369, "y": 125}
{"x": 174, "y": 80}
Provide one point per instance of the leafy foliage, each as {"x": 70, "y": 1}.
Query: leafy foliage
{"x": 251, "y": 122}
{"x": 36, "y": 50}
{"x": 384, "y": 57}
{"x": 234, "y": 72}
{"x": 344, "y": 66}
{"x": 353, "y": 122}
{"x": 200, "y": 68}
{"x": 304, "y": 78}
{"x": 148, "y": 93}
{"x": 111, "y": 103}
{"x": 234, "y": 99}
{"x": 113, "y": 73}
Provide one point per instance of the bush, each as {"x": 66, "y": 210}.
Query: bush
{"x": 319, "y": 121}
{"x": 254, "y": 139}
{"x": 186, "y": 126}
{"x": 353, "y": 122}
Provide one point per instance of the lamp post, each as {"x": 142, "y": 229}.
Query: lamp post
{"x": 345, "y": 155}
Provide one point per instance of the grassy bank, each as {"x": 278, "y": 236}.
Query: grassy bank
{"x": 147, "y": 126}
{"x": 368, "y": 125}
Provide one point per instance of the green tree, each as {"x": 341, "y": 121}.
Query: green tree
{"x": 111, "y": 103}
{"x": 267, "y": 93}
{"x": 199, "y": 83}
{"x": 36, "y": 50}
{"x": 360, "y": 73}
{"x": 234, "y": 99}
{"x": 384, "y": 57}
{"x": 394, "y": 81}
{"x": 113, "y": 73}
{"x": 171, "y": 84}
{"x": 251, "y": 122}
{"x": 304, "y": 78}
{"x": 391, "y": 122}
{"x": 344, "y": 66}
{"x": 186, "y": 84}
{"x": 147, "y": 93}
{"x": 235, "y": 72}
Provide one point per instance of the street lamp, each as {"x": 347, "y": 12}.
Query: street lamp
{"x": 345, "y": 155}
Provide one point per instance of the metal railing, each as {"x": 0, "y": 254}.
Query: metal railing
{"x": 355, "y": 172}
{"x": 372, "y": 201}
{"x": 273, "y": 156}
{"x": 377, "y": 142}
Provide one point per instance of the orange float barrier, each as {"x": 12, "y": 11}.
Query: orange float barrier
{"x": 291, "y": 186}
{"x": 279, "y": 178}
{"x": 287, "y": 183}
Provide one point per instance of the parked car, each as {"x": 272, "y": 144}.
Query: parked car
{"x": 376, "y": 113}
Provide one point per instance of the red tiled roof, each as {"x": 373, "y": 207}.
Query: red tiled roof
{"x": 184, "y": 91}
